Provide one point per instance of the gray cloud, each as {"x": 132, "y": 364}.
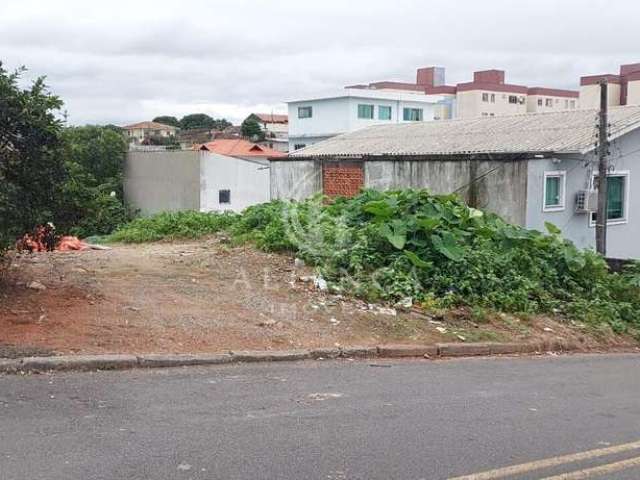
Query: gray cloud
{"x": 126, "y": 61}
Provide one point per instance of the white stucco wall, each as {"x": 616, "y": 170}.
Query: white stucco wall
{"x": 633, "y": 92}
{"x": 558, "y": 104}
{"x": 622, "y": 237}
{"x": 247, "y": 179}
{"x": 590, "y": 95}
{"x": 470, "y": 104}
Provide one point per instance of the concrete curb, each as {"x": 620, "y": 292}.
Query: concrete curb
{"x": 122, "y": 362}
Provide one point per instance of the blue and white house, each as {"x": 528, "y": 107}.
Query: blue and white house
{"x": 316, "y": 119}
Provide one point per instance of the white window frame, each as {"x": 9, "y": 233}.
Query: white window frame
{"x": 562, "y": 174}
{"x": 627, "y": 190}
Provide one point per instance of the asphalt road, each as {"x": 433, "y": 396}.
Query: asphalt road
{"x": 327, "y": 420}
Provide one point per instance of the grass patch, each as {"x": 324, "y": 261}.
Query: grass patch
{"x": 172, "y": 225}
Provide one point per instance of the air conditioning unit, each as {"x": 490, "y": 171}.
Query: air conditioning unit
{"x": 586, "y": 201}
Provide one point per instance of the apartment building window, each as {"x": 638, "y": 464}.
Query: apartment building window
{"x": 548, "y": 102}
{"x": 384, "y": 112}
{"x": 305, "y": 112}
{"x": 412, "y": 114}
{"x": 365, "y": 111}
{"x": 493, "y": 98}
{"x": 573, "y": 104}
{"x": 554, "y": 191}
{"x": 566, "y": 104}
{"x": 617, "y": 199}
{"x": 539, "y": 102}
{"x": 485, "y": 97}
{"x": 513, "y": 99}
{"x": 224, "y": 196}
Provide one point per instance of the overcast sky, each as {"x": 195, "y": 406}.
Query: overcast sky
{"x": 125, "y": 61}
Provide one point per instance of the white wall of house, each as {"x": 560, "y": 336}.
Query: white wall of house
{"x": 633, "y": 92}
{"x": 549, "y": 103}
{"x": 482, "y": 103}
{"x": 247, "y": 180}
{"x": 590, "y": 95}
{"x": 622, "y": 234}
{"x": 335, "y": 115}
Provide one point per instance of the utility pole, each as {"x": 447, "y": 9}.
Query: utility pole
{"x": 603, "y": 169}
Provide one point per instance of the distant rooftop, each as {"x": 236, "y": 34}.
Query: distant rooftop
{"x": 239, "y": 148}
{"x": 431, "y": 81}
{"x": 150, "y": 126}
{"x": 271, "y": 117}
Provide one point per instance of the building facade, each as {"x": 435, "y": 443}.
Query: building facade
{"x": 530, "y": 169}
{"x": 137, "y": 133}
{"x": 222, "y": 175}
{"x": 314, "y": 120}
{"x": 623, "y": 89}
{"x": 486, "y": 95}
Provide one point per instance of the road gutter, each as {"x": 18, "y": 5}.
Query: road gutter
{"x": 124, "y": 361}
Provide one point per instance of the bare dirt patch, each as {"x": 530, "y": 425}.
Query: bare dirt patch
{"x": 209, "y": 297}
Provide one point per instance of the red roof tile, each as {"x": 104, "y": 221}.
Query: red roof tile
{"x": 239, "y": 148}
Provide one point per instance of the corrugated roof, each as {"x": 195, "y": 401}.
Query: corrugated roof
{"x": 561, "y": 132}
{"x": 239, "y": 148}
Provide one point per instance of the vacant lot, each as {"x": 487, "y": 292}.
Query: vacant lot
{"x": 208, "y": 297}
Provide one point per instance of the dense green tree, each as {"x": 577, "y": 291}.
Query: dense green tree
{"x": 251, "y": 129}
{"x": 202, "y": 120}
{"x": 70, "y": 176}
{"x": 167, "y": 120}
{"x": 91, "y": 198}
{"x": 31, "y": 170}
{"x": 196, "y": 120}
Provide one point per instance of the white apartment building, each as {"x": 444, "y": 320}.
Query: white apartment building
{"x": 316, "y": 119}
{"x": 623, "y": 89}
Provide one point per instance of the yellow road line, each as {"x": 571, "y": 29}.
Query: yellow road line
{"x": 597, "y": 471}
{"x": 549, "y": 462}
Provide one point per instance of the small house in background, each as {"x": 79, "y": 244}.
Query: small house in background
{"x": 530, "y": 169}
{"x": 140, "y": 133}
{"x": 275, "y": 127}
{"x": 224, "y": 174}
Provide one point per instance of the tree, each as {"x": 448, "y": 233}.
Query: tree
{"x": 91, "y": 199}
{"x": 31, "y": 170}
{"x": 221, "y": 124}
{"x": 168, "y": 120}
{"x": 202, "y": 120}
{"x": 196, "y": 120}
{"x": 250, "y": 128}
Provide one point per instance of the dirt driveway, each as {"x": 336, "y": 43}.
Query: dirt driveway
{"x": 205, "y": 297}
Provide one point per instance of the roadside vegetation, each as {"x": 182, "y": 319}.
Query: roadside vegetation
{"x": 49, "y": 172}
{"x": 432, "y": 251}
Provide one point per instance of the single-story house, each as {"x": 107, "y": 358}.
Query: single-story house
{"x": 531, "y": 168}
{"x": 225, "y": 174}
